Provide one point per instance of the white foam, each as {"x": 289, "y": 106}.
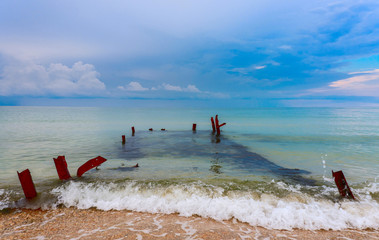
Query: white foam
{"x": 297, "y": 210}
{"x": 4, "y": 199}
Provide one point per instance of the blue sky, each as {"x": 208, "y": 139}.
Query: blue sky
{"x": 204, "y": 53}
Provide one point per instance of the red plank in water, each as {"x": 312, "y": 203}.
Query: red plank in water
{"x": 97, "y": 161}
{"x": 61, "y": 166}
{"x": 133, "y": 131}
{"x": 194, "y": 127}
{"x": 27, "y": 184}
{"x": 342, "y": 185}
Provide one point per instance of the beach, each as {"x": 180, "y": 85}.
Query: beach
{"x": 72, "y": 223}
{"x": 268, "y": 175}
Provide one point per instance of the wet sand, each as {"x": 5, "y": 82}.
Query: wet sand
{"x": 70, "y": 223}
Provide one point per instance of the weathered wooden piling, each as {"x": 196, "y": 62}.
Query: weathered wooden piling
{"x": 61, "y": 166}
{"x": 133, "y": 131}
{"x": 27, "y": 184}
{"x": 343, "y": 187}
{"x": 213, "y": 125}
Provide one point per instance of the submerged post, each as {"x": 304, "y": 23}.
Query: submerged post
{"x": 27, "y": 184}
{"x": 213, "y": 125}
{"x": 123, "y": 139}
{"x": 342, "y": 185}
{"x": 218, "y": 126}
{"x": 61, "y": 166}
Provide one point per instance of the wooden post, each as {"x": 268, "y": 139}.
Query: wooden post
{"x": 61, "y": 166}
{"x": 342, "y": 185}
{"x": 27, "y": 184}
{"x": 217, "y": 126}
{"x": 213, "y": 125}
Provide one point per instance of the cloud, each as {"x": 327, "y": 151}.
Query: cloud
{"x": 189, "y": 88}
{"x": 31, "y": 79}
{"x": 286, "y": 47}
{"x": 362, "y": 80}
{"x": 133, "y": 87}
{"x": 364, "y": 83}
{"x": 169, "y": 87}
{"x": 247, "y": 70}
{"x": 165, "y": 90}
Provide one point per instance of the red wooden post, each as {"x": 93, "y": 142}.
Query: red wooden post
{"x": 27, "y": 184}
{"x": 213, "y": 125}
{"x": 194, "y": 127}
{"x": 217, "y": 126}
{"x": 123, "y": 139}
{"x": 61, "y": 166}
{"x": 342, "y": 185}
{"x": 133, "y": 131}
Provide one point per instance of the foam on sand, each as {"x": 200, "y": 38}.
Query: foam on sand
{"x": 295, "y": 210}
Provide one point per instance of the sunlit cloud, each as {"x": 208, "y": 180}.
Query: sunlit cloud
{"x": 31, "y": 79}
{"x": 134, "y": 87}
{"x": 247, "y": 70}
{"x": 365, "y": 83}
{"x": 189, "y": 88}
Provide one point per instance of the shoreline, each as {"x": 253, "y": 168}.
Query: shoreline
{"x": 72, "y": 223}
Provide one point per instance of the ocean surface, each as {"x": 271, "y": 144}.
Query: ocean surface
{"x": 270, "y": 167}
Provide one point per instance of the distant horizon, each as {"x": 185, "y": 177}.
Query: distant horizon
{"x": 180, "y": 103}
{"x": 216, "y": 53}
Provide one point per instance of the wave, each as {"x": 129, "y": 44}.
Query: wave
{"x": 294, "y": 209}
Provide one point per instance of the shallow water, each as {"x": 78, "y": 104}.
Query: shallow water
{"x": 269, "y": 167}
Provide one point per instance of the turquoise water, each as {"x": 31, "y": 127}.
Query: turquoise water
{"x": 262, "y": 156}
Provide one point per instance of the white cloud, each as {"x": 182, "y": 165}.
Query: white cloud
{"x": 362, "y": 84}
{"x": 133, "y": 87}
{"x": 31, "y": 79}
{"x": 169, "y": 87}
{"x": 189, "y": 88}
{"x": 286, "y": 47}
{"x": 360, "y": 81}
{"x": 249, "y": 69}
{"x": 260, "y": 67}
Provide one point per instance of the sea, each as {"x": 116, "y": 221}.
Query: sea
{"x": 269, "y": 167}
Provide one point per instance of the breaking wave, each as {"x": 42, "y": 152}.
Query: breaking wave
{"x": 283, "y": 207}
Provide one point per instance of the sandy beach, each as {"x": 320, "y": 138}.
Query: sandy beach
{"x": 70, "y": 223}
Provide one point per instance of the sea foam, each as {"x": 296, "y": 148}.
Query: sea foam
{"x": 296, "y": 210}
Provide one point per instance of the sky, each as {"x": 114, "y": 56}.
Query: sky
{"x": 256, "y": 53}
